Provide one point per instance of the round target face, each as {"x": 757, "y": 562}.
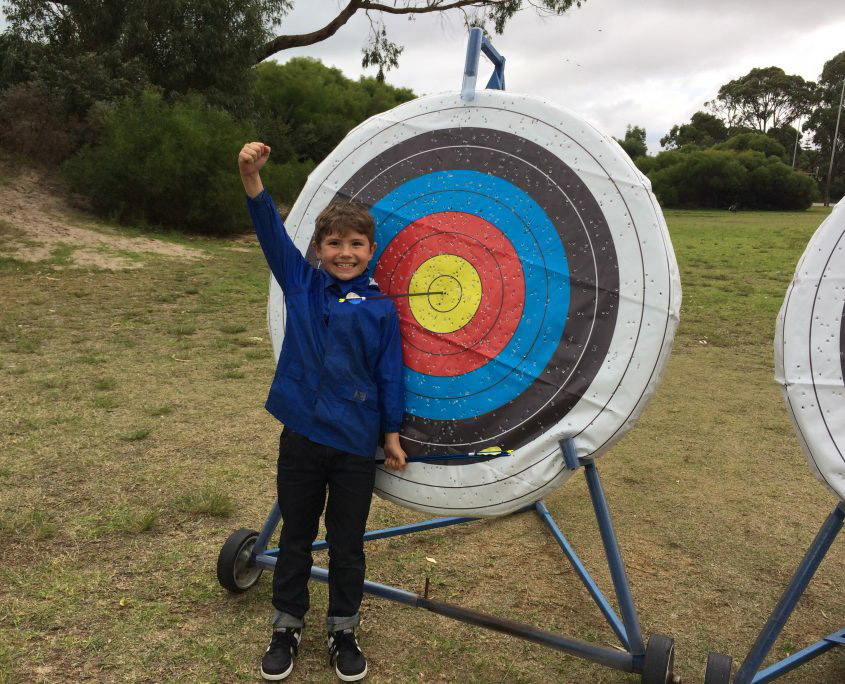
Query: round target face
{"x": 810, "y": 351}
{"x": 545, "y": 292}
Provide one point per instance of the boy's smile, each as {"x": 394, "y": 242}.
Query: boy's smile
{"x": 345, "y": 256}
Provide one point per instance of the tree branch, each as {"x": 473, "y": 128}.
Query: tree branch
{"x": 284, "y": 42}
{"x": 436, "y": 6}
{"x": 280, "y": 43}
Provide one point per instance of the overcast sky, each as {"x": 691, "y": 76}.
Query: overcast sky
{"x": 651, "y": 63}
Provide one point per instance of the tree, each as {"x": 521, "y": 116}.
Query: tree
{"x": 634, "y": 142}
{"x": 764, "y": 98}
{"x": 102, "y": 50}
{"x": 822, "y": 122}
{"x": 703, "y": 130}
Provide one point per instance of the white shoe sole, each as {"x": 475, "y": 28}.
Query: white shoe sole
{"x": 276, "y": 677}
{"x": 350, "y": 678}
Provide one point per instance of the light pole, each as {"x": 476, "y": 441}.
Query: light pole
{"x": 833, "y": 146}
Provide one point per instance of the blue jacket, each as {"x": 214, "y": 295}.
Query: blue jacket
{"x": 339, "y": 378}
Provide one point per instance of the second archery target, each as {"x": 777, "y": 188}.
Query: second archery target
{"x": 546, "y": 292}
{"x": 810, "y": 351}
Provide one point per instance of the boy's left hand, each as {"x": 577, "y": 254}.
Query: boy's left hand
{"x": 394, "y": 454}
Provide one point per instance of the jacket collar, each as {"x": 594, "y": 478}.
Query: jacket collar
{"x": 361, "y": 283}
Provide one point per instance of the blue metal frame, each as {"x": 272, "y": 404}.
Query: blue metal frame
{"x": 477, "y": 44}
{"x": 748, "y": 671}
{"x": 627, "y": 629}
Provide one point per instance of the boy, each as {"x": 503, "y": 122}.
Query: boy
{"x": 337, "y": 386}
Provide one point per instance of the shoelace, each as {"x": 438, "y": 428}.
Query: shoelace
{"x": 285, "y": 637}
{"x": 339, "y": 640}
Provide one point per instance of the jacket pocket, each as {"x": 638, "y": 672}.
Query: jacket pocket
{"x": 361, "y": 416}
{"x": 360, "y": 395}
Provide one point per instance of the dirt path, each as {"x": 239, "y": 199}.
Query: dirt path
{"x": 36, "y": 220}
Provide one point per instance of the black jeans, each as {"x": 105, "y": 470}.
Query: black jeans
{"x": 306, "y": 471}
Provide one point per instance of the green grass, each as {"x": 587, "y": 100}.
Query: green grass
{"x": 105, "y": 384}
{"x": 205, "y": 501}
{"x": 162, "y": 410}
{"x": 136, "y": 435}
{"x": 133, "y": 442}
{"x": 125, "y": 520}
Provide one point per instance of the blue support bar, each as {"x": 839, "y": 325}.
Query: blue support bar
{"x": 402, "y": 529}
{"x": 609, "y": 657}
{"x": 497, "y": 78}
{"x": 604, "y": 606}
{"x": 267, "y": 529}
{"x": 797, "y": 659}
{"x": 614, "y": 559}
{"x": 809, "y": 564}
{"x": 471, "y": 64}
{"x": 570, "y": 456}
{"x": 476, "y": 44}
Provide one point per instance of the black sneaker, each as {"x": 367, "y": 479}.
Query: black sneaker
{"x": 277, "y": 662}
{"x": 349, "y": 663}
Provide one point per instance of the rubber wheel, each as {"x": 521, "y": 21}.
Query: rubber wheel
{"x": 236, "y": 571}
{"x": 659, "y": 660}
{"x": 718, "y": 669}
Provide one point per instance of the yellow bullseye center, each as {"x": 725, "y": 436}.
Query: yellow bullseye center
{"x": 460, "y": 284}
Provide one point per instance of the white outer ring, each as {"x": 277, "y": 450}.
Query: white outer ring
{"x": 807, "y": 351}
{"x": 649, "y": 301}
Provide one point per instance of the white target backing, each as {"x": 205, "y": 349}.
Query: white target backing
{"x": 810, "y": 350}
{"x": 558, "y": 288}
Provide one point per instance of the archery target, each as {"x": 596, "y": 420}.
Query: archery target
{"x": 546, "y": 288}
{"x": 810, "y": 351}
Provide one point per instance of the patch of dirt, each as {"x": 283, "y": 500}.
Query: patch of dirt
{"x": 37, "y": 220}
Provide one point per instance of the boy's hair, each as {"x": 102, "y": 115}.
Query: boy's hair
{"x": 343, "y": 217}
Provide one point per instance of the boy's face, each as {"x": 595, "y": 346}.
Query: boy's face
{"x": 345, "y": 257}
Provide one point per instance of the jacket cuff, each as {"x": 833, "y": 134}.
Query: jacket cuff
{"x": 258, "y": 198}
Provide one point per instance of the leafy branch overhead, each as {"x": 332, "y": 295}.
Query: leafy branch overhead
{"x": 189, "y": 44}
{"x": 384, "y": 53}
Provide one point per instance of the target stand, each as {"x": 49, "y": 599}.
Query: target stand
{"x": 537, "y": 294}
{"x": 245, "y": 555}
{"x": 810, "y": 368}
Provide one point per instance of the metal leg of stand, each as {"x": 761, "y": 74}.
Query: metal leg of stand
{"x": 614, "y": 559}
{"x": 602, "y": 603}
{"x": 810, "y": 563}
{"x": 267, "y": 529}
{"x": 400, "y": 530}
{"x": 797, "y": 659}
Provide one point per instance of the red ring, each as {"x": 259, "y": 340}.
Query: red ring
{"x": 491, "y": 254}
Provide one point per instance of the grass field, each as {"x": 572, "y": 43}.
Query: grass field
{"x": 133, "y": 441}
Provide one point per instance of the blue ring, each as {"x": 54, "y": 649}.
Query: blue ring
{"x": 546, "y": 274}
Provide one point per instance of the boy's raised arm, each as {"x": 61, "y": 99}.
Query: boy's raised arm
{"x": 286, "y": 262}
{"x": 251, "y": 158}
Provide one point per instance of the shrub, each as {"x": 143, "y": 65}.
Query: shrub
{"x": 719, "y": 178}
{"x": 756, "y": 142}
{"x": 703, "y": 178}
{"x": 172, "y": 164}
